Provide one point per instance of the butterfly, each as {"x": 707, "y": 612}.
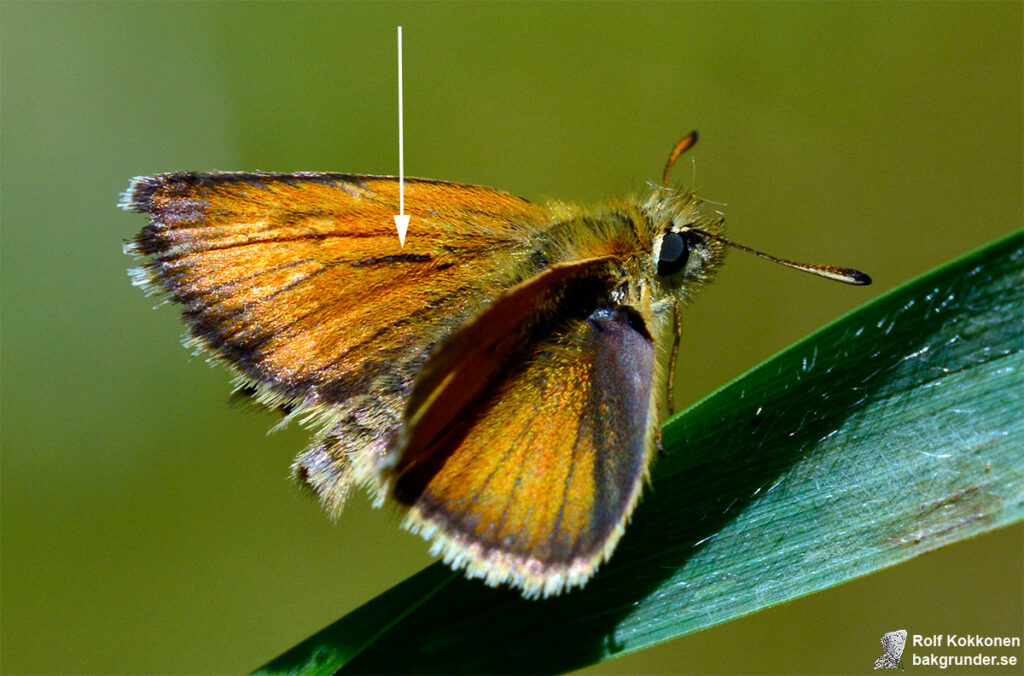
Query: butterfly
{"x": 501, "y": 377}
{"x": 893, "y": 642}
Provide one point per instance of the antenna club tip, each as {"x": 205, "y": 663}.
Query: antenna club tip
{"x": 859, "y": 278}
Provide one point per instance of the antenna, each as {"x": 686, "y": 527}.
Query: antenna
{"x": 839, "y": 274}
{"x": 684, "y": 144}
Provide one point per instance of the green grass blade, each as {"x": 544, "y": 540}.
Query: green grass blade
{"x": 893, "y": 431}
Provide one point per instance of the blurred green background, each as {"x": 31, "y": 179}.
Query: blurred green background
{"x": 148, "y": 527}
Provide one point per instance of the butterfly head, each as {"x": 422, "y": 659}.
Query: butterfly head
{"x": 686, "y": 242}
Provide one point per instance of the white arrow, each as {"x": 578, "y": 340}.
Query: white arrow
{"x": 401, "y": 220}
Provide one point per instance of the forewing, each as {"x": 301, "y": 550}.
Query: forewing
{"x": 298, "y": 282}
{"x": 533, "y": 482}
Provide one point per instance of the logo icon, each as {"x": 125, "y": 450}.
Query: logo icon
{"x": 893, "y": 642}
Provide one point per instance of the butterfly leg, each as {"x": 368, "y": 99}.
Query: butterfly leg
{"x": 677, "y": 334}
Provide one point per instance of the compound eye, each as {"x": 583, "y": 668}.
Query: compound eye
{"x": 675, "y": 251}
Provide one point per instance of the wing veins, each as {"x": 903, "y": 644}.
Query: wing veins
{"x": 508, "y": 501}
{"x": 208, "y": 298}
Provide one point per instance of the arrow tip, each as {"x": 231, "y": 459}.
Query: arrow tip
{"x": 402, "y": 223}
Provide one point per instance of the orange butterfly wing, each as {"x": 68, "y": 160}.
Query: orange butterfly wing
{"x": 298, "y": 282}
{"x": 523, "y": 465}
